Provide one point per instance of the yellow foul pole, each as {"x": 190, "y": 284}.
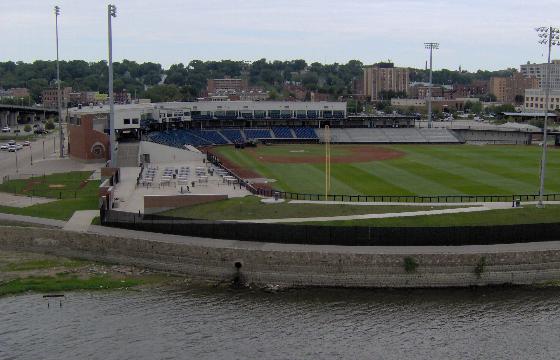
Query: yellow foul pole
{"x": 327, "y": 161}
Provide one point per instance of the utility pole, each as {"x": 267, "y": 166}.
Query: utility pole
{"x": 549, "y": 35}
{"x": 111, "y": 12}
{"x": 59, "y": 95}
{"x": 431, "y": 46}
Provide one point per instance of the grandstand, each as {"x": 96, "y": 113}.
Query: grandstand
{"x": 282, "y": 133}
{"x": 257, "y": 134}
{"x": 390, "y": 135}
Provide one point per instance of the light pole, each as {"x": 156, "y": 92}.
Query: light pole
{"x": 551, "y": 36}
{"x": 111, "y": 12}
{"x": 431, "y": 46}
{"x": 58, "y": 95}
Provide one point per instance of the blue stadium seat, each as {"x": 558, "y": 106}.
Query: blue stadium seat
{"x": 282, "y": 133}
{"x": 305, "y": 133}
{"x": 233, "y": 135}
{"x": 257, "y": 133}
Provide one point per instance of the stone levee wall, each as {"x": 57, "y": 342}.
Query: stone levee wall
{"x": 295, "y": 265}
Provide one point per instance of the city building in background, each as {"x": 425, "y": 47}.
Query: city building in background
{"x": 539, "y": 71}
{"x": 384, "y": 77}
{"x": 511, "y": 89}
{"x": 49, "y": 97}
{"x": 535, "y": 99}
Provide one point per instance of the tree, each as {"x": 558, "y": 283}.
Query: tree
{"x": 27, "y": 128}
{"x": 49, "y": 125}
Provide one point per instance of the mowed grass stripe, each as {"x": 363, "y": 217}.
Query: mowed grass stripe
{"x": 520, "y": 163}
{"x": 411, "y": 177}
{"x": 490, "y": 183}
{"x": 363, "y": 182}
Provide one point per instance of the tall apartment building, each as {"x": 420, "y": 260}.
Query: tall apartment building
{"x": 539, "y": 71}
{"x": 384, "y": 77}
{"x": 507, "y": 88}
{"x": 225, "y": 84}
{"x": 50, "y": 97}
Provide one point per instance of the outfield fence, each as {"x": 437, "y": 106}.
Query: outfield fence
{"x": 404, "y": 198}
{"x": 334, "y": 235}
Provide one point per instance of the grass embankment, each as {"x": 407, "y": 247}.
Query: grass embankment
{"x": 422, "y": 170}
{"x": 23, "y": 272}
{"x": 250, "y": 207}
{"x": 525, "y": 215}
{"x": 72, "y": 189}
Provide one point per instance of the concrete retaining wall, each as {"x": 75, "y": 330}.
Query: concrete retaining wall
{"x": 291, "y": 265}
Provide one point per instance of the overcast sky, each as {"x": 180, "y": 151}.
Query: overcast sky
{"x": 475, "y": 34}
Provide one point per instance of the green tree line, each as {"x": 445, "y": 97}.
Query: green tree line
{"x": 186, "y": 82}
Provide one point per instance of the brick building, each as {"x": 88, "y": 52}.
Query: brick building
{"x": 49, "y": 97}
{"x": 87, "y": 139}
{"x": 384, "y": 77}
{"x": 506, "y": 89}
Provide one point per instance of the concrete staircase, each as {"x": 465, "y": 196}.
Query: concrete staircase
{"x": 128, "y": 154}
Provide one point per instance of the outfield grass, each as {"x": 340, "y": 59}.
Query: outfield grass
{"x": 75, "y": 195}
{"x": 529, "y": 214}
{"x": 250, "y": 208}
{"x": 423, "y": 170}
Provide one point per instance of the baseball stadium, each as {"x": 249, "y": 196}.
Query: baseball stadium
{"x": 283, "y": 162}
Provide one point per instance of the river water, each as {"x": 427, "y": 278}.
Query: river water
{"x": 204, "y": 323}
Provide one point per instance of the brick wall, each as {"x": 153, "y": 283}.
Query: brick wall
{"x": 85, "y": 143}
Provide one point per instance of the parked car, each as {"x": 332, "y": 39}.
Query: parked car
{"x": 12, "y": 148}
{"x": 6, "y": 129}
{"x": 11, "y": 142}
{"x": 19, "y": 146}
{"x": 26, "y": 143}
{"x": 4, "y": 147}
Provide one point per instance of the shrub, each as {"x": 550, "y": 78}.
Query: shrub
{"x": 27, "y": 128}
{"x": 410, "y": 264}
{"x": 479, "y": 268}
{"x": 49, "y": 125}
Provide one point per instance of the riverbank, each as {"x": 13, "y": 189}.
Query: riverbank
{"x": 22, "y": 272}
{"x": 291, "y": 265}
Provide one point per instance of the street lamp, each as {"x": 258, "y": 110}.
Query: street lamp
{"x": 58, "y": 95}
{"x": 551, "y": 36}
{"x": 431, "y": 46}
{"x": 111, "y": 12}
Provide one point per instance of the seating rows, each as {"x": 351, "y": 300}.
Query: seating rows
{"x": 233, "y": 135}
{"x": 257, "y": 134}
{"x": 390, "y": 135}
{"x": 181, "y": 137}
{"x": 282, "y": 133}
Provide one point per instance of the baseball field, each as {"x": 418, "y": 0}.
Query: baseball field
{"x": 397, "y": 169}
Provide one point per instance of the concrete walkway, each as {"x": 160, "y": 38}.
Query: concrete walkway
{"x": 370, "y": 216}
{"x": 33, "y": 220}
{"x": 81, "y": 220}
{"x": 21, "y": 201}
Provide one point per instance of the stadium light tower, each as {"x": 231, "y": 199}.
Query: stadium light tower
{"x": 111, "y": 13}
{"x": 431, "y": 46}
{"x": 548, "y": 36}
{"x": 58, "y": 94}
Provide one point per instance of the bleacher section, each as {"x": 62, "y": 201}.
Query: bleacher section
{"x": 233, "y": 135}
{"x": 177, "y": 138}
{"x": 212, "y": 136}
{"x": 390, "y": 135}
{"x": 282, "y": 133}
{"x": 257, "y": 134}
{"x": 180, "y": 138}
{"x": 305, "y": 133}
